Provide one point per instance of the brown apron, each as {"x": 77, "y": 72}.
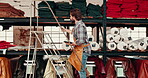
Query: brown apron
{"x": 76, "y": 56}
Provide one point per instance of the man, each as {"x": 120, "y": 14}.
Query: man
{"x": 80, "y": 34}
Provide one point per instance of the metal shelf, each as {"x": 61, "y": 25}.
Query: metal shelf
{"x": 45, "y": 21}
{"x": 133, "y": 53}
{"x": 127, "y": 53}
{"x": 66, "y": 22}
{"x": 43, "y": 53}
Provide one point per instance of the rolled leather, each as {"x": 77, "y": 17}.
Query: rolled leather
{"x": 5, "y": 70}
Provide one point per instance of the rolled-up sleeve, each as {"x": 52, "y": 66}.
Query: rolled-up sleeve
{"x": 80, "y": 35}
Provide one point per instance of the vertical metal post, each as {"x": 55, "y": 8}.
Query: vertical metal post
{"x": 146, "y": 31}
{"x": 104, "y": 28}
{"x": 97, "y": 32}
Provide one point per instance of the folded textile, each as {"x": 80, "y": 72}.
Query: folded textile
{"x": 129, "y": 16}
{"x": 142, "y": 16}
{"x": 129, "y": 5}
{"x": 114, "y": 14}
{"x": 8, "y": 14}
{"x": 64, "y": 6}
{"x": 115, "y": 1}
{"x": 43, "y": 4}
{"x": 5, "y": 45}
{"x": 45, "y": 12}
{"x": 62, "y": 13}
{"x": 94, "y": 13}
{"x": 129, "y": 1}
{"x": 113, "y": 9}
{"x": 124, "y": 12}
{"x": 8, "y": 11}
{"x": 93, "y": 7}
{"x": 112, "y": 4}
{"x": 143, "y": 13}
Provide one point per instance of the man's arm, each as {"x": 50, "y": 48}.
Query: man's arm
{"x": 66, "y": 30}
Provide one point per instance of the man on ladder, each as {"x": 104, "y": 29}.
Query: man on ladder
{"x": 82, "y": 49}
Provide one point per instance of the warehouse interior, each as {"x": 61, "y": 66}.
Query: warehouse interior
{"x": 32, "y": 44}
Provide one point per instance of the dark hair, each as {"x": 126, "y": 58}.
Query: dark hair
{"x": 76, "y": 13}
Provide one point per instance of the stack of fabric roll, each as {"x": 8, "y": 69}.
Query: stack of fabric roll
{"x": 111, "y": 37}
{"x": 6, "y": 10}
{"x": 129, "y": 8}
{"x": 94, "y": 10}
{"x": 113, "y": 8}
{"x": 80, "y": 4}
{"x": 62, "y": 9}
{"x": 119, "y": 39}
{"x": 44, "y": 10}
{"x": 143, "y": 8}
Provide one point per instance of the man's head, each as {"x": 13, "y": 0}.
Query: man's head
{"x": 75, "y": 14}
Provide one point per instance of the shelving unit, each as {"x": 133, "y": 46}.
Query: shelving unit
{"x": 66, "y": 22}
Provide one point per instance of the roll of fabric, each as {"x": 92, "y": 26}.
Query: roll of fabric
{"x": 133, "y": 46}
{"x": 111, "y": 46}
{"x": 94, "y": 46}
{"x": 146, "y": 40}
{"x": 122, "y": 46}
{"x": 142, "y": 46}
{"x": 65, "y": 47}
{"x": 109, "y": 38}
{"x": 124, "y": 32}
{"x": 117, "y": 38}
{"x": 90, "y": 38}
{"x": 114, "y": 31}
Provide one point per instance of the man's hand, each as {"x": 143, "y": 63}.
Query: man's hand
{"x": 63, "y": 29}
{"x": 70, "y": 43}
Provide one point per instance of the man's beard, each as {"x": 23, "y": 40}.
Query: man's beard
{"x": 72, "y": 21}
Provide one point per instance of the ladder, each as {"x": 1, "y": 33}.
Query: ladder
{"x": 50, "y": 47}
{"x": 31, "y": 63}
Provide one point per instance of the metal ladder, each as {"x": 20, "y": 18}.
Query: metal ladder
{"x": 52, "y": 49}
{"x": 31, "y": 63}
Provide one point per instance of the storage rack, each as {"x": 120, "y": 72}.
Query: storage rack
{"x": 93, "y": 22}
